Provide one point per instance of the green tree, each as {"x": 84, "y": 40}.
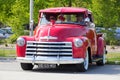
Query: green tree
{"x": 106, "y": 12}
{"x": 15, "y": 13}
{"x": 5, "y": 10}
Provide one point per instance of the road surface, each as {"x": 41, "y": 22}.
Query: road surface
{"x": 10, "y": 70}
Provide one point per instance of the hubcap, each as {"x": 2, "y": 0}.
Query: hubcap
{"x": 86, "y": 61}
{"x": 104, "y": 57}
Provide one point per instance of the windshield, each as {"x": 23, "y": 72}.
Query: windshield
{"x": 74, "y": 18}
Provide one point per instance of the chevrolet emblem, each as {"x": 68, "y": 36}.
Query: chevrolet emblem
{"x": 49, "y": 38}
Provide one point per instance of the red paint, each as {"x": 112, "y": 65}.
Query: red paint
{"x": 21, "y": 49}
{"x": 79, "y": 52}
{"x": 63, "y": 10}
{"x": 62, "y": 31}
{"x": 101, "y": 46}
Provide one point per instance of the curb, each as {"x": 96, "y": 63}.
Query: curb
{"x": 8, "y": 59}
{"x": 113, "y": 62}
{"x": 117, "y": 62}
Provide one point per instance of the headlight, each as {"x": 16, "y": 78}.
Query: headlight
{"x": 78, "y": 42}
{"x": 20, "y": 41}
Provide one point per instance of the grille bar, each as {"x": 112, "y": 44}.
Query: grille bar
{"x": 49, "y": 48}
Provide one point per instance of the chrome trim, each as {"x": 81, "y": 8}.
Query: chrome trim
{"x": 32, "y": 42}
{"x": 54, "y": 49}
{"x": 48, "y": 37}
{"x": 49, "y": 48}
{"x": 53, "y": 46}
{"x": 49, "y": 53}
{"x": 55, "y": 53}
{"x": 52, "y": 60}
{"x": 31, "y": 49}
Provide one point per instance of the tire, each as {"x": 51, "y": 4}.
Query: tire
{"x": 84, "y": 66}
{"x": 26, "y": 66}
{"x": 102, "y": 62}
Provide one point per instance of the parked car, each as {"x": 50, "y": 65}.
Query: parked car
{"x": 7, "y": 31}
{"x": 2, "y": 34}
{"x": 99, "y": 29}
{"x": 117, "y": 33}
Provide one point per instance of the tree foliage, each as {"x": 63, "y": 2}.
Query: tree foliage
{"x": 15, "y": 13}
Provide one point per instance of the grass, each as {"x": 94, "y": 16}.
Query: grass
{"x": 113, "y": 58}
{"x": 7, "y": 53}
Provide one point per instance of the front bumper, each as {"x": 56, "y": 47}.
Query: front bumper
{"x": 52, "y": 60}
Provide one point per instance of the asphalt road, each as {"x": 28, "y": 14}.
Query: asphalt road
{"x": 10, "y": 70}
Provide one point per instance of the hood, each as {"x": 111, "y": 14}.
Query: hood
{"x": 59, "y": 32}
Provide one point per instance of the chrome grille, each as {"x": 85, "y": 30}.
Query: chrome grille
{"x": 48, "y": 49}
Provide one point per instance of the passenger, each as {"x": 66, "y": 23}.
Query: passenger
{"x": 52, "y": 20}
{"x": 80, "y": 19}
{"x": 61, "y": 18}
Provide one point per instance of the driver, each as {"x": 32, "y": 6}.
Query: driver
{"x": 80, "y": 19}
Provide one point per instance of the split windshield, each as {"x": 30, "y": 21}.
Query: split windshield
{"x": 74, "y": 18}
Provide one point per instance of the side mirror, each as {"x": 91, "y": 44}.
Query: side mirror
{"x": 87, "y": 21}
{"x": 92, "y": 25}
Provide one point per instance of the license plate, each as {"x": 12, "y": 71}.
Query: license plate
{"x": 47, "y": 65}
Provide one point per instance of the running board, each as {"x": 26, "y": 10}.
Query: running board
{"x": 97, "y": 59}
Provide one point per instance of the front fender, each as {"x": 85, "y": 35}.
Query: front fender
{"x": 20, "y": 50}
{"x": 79, "y": 52}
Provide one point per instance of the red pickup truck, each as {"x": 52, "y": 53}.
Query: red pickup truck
{"x": 64, "y": 35}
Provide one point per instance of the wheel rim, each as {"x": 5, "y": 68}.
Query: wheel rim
{"x": 86, "y": 61}
{"x": 104, "y": 57}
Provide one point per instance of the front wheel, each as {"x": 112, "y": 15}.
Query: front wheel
{"x": 84, "y": 66}
{"x": 26, "y": 66}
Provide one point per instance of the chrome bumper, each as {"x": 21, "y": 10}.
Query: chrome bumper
{"x": 50, "y": 60}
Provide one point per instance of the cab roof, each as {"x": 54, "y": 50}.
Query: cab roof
{"x": 65, "y": 10}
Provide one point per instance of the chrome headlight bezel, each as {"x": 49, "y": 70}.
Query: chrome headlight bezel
{"x": 20, "y": 41}
{"x": 78, "y": 42}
